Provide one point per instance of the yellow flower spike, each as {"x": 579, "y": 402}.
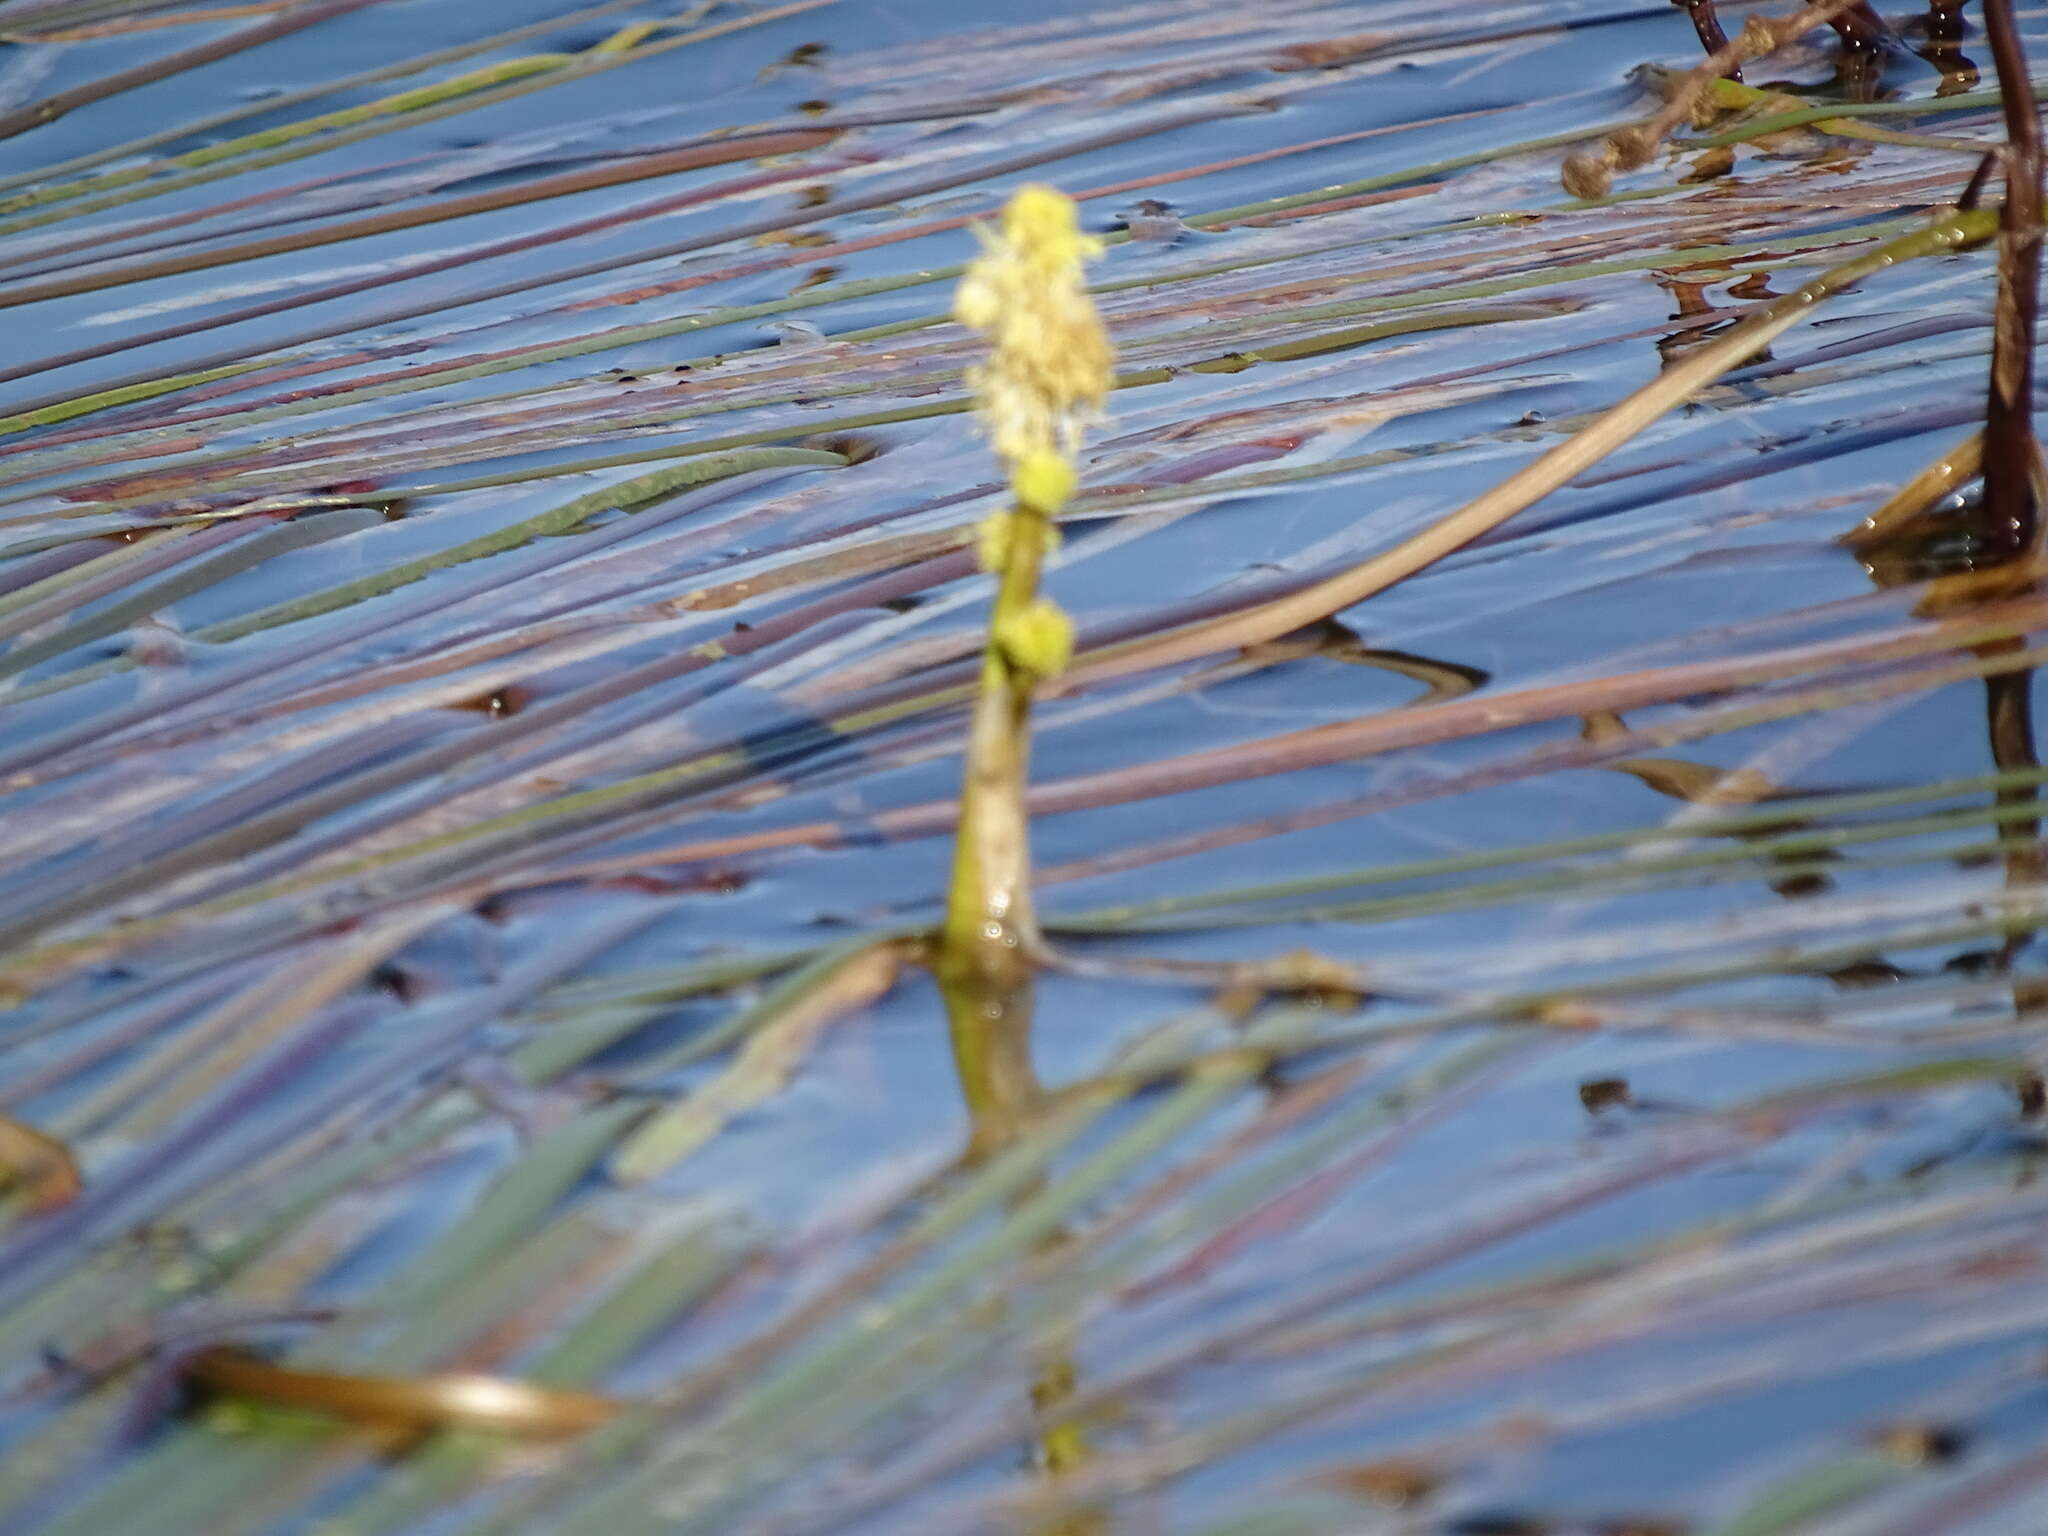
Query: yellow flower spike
{"x": 1048, "y": 370}
{"x": 1044, "y": 482}
{"x": 1037, "y": 639}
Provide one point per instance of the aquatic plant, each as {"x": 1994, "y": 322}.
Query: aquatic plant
{"x": 1533, "y": 948}
{"x": 1048, "y": 372}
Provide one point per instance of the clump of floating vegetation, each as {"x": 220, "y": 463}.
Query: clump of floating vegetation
{"x": 526, "y": 716}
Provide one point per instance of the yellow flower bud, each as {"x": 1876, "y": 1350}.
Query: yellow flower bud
{"x": 994, "y": 539}
{"x": 1044, "y": 482}
{"x": 1037, "y": 640}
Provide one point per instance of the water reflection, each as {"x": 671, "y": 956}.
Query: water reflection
{"x": 1333, "y": 640}
{"x": 991, "y": 1034}
{"x": 1705, "y": 320}
{"x": 1937, "y": 530}
{"x": 1959, "y": 72}
{"x": 990, "y": 1026}
{"x": 1866, "y": 46}
{"x": 2009, "y": 721}
{"x": 1707, "y": 785}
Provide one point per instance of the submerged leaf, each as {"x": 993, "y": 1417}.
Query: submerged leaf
{"x": 410, "y": 1402}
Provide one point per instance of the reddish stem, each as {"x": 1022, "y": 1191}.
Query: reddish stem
{"x": 2009, "y": 449}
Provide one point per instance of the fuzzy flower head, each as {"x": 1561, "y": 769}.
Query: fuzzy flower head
{"x": 1048, "y": 369}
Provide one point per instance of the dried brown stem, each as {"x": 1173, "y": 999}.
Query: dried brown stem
{"x": 1708, "y": 25}
{"x": 1587, "y": 175}
{"x": 2009, "y": 502}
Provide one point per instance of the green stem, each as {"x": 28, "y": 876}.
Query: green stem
{"x": 990, "y": 927}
